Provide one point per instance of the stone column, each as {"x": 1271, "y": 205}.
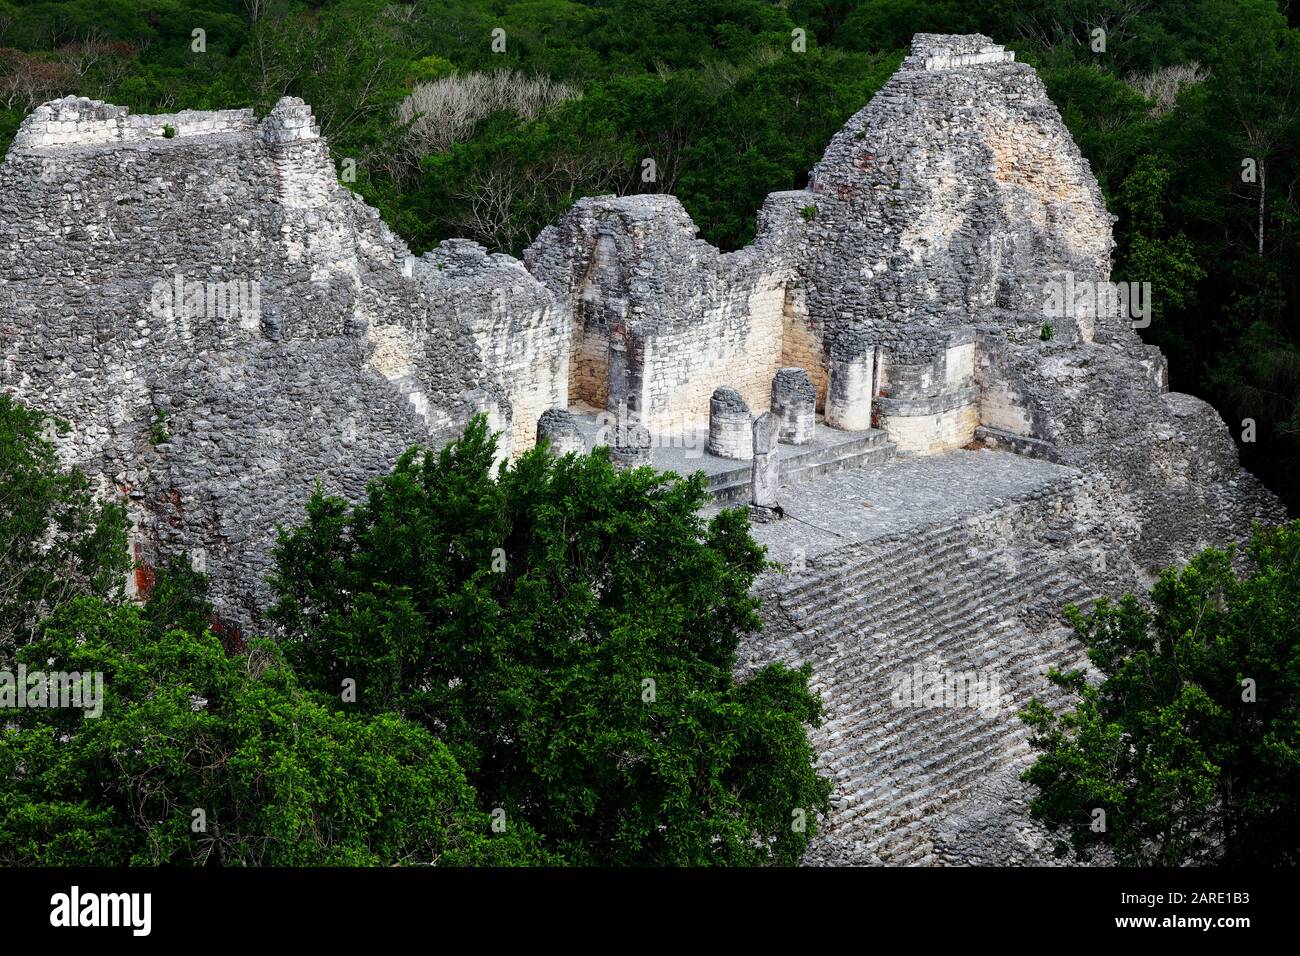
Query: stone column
{"x": 631, "y": 445}
{"x": 765, "y": 473}
{"x": 558, "y": 428}
{"x": 729, "y": 434}
{"x": 794, "y": 403}
{"x": 849, "y": 392}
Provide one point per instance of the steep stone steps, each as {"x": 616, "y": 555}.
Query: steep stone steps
{"x": 825, "y": 596}
{"x": 866, "y": 450}
{"x": 897, "y": 612}
{"x": 952, "y": 596}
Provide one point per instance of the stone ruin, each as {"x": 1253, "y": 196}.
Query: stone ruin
{"x": 224, "y": 324}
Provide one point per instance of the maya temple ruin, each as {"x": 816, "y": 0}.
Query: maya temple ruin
{"x": 918, "y": 375}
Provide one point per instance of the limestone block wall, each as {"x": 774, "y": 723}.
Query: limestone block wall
{"x": 737, "y": 342}
{"x": 74, "y": 121}
{"x": 928, "y": 426}
{"x": 802, "y": 345}
{"x": 660, "y": 318}
{"x": 1004, "y": 398}
{"x": 521, "y": 333}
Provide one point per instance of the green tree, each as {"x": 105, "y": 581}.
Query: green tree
{"x": 1261, "y": 382}
{"x": 202, "y": 758}
{"x": 1153, "y": 252}
{"x": 1190, "y": 741}
{"x": 56, "y": 540}
{"x": 570, "y": 632}
{"x": 890, "y": 24}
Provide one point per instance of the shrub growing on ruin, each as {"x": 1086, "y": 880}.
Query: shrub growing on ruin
{"x": 158, "y": 433}
{"x": 1190, "y": 743}
{"x": 56, "y": 541}
{"x": 571, "y": 633}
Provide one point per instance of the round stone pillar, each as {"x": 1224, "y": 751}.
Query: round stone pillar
{"x": 559, "y": 429}
{"x": 631, "y": 445}
{"x": 794, "y": 403}
{"x": 729, "y": 430}
{"x": 849, "y": 390}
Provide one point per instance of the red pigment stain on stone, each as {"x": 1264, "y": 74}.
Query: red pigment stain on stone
{"x": 145, "y": 579}
{"x": 232, "y": 639}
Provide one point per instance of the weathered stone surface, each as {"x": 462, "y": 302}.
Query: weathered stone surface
{"x": 765, "y": 475}
{"x": 560, "y": 431}
{"x": 220, "y": 285}
{"x": 632, "y": 443}
{"x": 729, "y": 428}
{"x": 850, "y": 383}
{"x": 794, "y": 403}
{"x": 945, "y": 570}
{"x": 661, "y": 318}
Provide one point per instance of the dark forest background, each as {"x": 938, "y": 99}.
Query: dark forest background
{"x": 1190, "y": 116}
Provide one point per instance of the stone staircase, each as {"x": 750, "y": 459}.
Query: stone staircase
{"x": 947, "y": 598}
{"x": 861, "y": 450}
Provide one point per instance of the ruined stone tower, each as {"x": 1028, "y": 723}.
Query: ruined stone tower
{"x": 224, "y": 324}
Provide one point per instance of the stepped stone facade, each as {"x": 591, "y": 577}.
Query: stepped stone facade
{"x": 971, "y": 432}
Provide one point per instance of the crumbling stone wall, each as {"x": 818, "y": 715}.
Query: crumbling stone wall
{"x": 957, "y": 199}
{"x": 661, "y": 318}
{"x": 522, "y": 334}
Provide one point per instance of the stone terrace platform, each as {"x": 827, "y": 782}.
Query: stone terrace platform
{"x": 831, "y": 450}
{"x": 900, "y": 495}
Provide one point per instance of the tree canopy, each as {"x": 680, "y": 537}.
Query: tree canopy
{"x": 570, "y": 632}
{"x": 1186, "y": 749}
{"x": 204, "y": 758}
